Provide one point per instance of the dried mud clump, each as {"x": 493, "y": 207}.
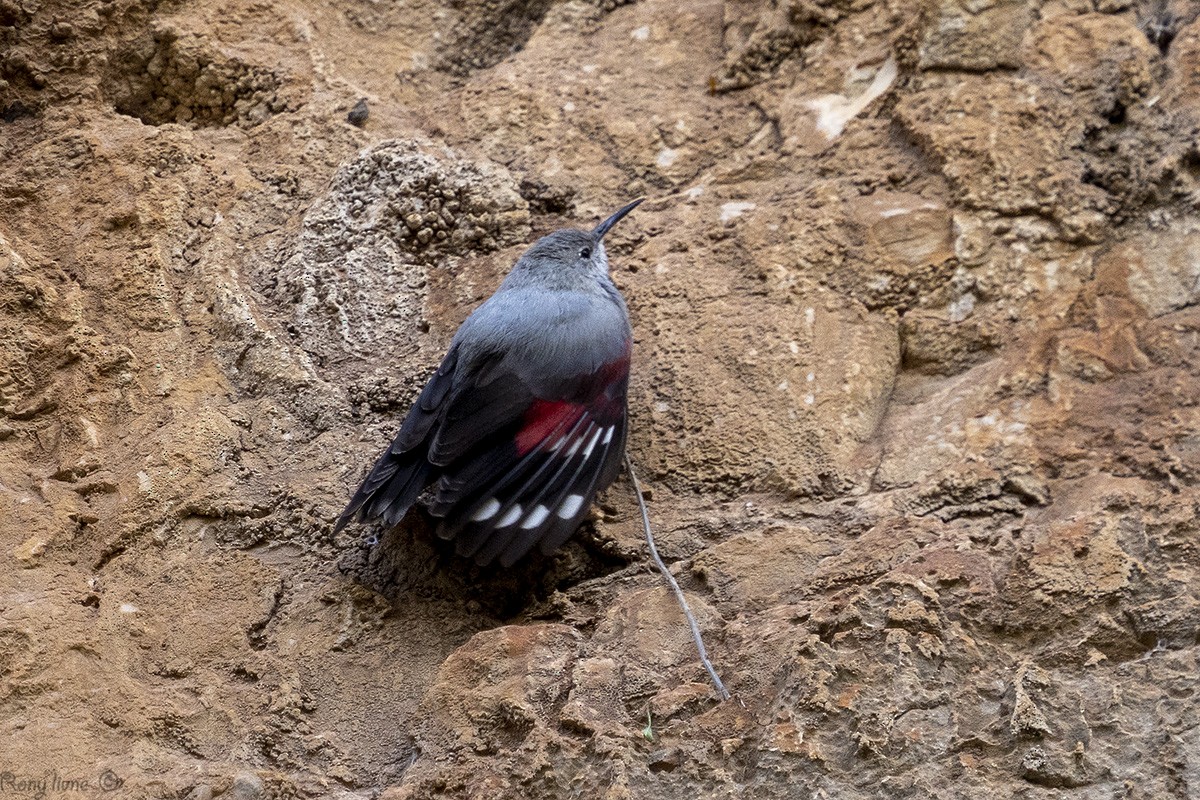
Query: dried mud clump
{"x": 21, "y": 76}
{"x": 353, "y": 279}
{"x": 487, "y": 32}
{"x": 761, "y": 36}
{"x": 972, "y": 37}
{"x": 171, "y": 76}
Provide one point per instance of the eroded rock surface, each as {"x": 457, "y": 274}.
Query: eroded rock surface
{"x": 917, "y": 357}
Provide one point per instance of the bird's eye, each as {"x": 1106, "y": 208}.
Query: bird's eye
{"x": 585, "y": 252}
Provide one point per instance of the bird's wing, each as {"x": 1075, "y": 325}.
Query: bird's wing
{"x": 452, "y": 412}
{"x": 519, "y": 432}
{"x": 533, "y": 480}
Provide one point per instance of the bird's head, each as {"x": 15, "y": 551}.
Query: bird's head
{"x": 571, "y": 254}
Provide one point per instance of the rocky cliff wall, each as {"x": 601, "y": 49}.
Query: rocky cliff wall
{"x": 915, "y": 389}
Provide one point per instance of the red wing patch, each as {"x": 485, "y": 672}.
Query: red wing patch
{"x": 543, "y": 418}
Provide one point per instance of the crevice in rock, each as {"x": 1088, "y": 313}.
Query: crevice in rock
{"x": 409, "y": 560}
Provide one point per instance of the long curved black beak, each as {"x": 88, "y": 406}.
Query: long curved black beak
{"x": 606, "y": 226}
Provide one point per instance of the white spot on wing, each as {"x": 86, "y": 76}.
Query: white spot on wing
{"x": 595, "y": 438}
{"x": 510, "y": 517}
{"x": 535, "y": 517}
{"x": 488, "y": 510}
{"x": 570, "y": 506}
{"x": 578, "y": 442}
{"x": 608, "y": 433}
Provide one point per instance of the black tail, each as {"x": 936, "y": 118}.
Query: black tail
{"x": 391, "y": 488}
{"x": 404, "y": 471}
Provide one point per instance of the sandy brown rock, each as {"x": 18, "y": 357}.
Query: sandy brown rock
{"x": 914, "y": 297}
{"x": 971, "y": 37}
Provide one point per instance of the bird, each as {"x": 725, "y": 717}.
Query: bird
{"x": 525, "y": 420}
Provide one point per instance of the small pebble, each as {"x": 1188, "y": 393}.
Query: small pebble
{"x": 358, "y": 115}
{"x": 246, "y": 786}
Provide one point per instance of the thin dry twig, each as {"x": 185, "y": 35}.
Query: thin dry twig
{"x": 722, "y": 692}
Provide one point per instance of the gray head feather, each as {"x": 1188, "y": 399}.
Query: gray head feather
{"x": 566, "y": 259}
{"x": 569, "y": 259}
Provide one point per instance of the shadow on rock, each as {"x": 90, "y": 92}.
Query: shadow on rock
{"x": 408, "y": 560}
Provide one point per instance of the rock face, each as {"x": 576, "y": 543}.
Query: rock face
{"x": 917, "y": 357}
